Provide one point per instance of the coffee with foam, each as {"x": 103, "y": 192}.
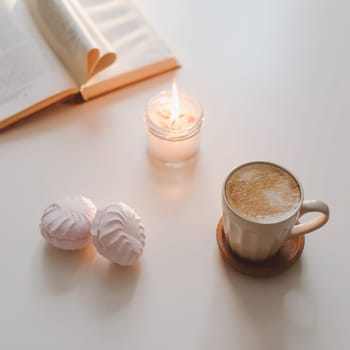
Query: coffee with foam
{"x": 263, "y": 193}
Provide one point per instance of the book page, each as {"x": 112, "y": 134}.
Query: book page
{"x": 29, "y": 71}
{"x": 130, "y": 36}
{"x": 73, "y": 37}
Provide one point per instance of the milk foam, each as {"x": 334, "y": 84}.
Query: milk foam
{"x": 263, "y": 193}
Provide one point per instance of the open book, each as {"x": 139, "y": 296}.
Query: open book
{"x": 52, "y": 49}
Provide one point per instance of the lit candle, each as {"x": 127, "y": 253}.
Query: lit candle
{"x": 173, "y": 121}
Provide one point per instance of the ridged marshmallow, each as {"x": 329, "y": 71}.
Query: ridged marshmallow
{"x": 118, "y": 234}
{"x": 66, "y": 223}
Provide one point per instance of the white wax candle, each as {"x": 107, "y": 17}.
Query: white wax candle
{"x": 173, "y": 122}
{"x": 173, "y": 151}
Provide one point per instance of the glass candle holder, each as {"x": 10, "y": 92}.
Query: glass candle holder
{"x": 173, "y": 123}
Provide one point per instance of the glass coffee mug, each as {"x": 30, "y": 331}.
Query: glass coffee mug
{"x": 262, "y": 202}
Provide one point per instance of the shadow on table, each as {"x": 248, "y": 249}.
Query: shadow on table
{"x": 264, "y": 310}
{"x": 173, "y": 182}
{"x": 64, "y": 269}
{"x": 113, "y": 288}
{"x": 104, "y": 288}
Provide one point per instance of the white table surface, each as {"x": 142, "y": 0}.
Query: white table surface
{"x": 273, "y": 78}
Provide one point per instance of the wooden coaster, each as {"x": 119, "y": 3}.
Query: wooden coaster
{"x": 280, "y": 262}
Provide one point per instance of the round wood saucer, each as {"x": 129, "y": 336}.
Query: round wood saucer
{"x": 280, "y": 262}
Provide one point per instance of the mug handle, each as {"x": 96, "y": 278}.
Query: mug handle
{"x": 309, "y": 206}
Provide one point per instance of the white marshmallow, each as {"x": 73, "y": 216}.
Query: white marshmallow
{"x": 118, "y": 234}
{"x": 66, "y": 223}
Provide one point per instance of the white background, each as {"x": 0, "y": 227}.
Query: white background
{"x": 273, "y": 78}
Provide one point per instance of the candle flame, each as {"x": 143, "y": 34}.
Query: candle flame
{"x": 174, "y": 104}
